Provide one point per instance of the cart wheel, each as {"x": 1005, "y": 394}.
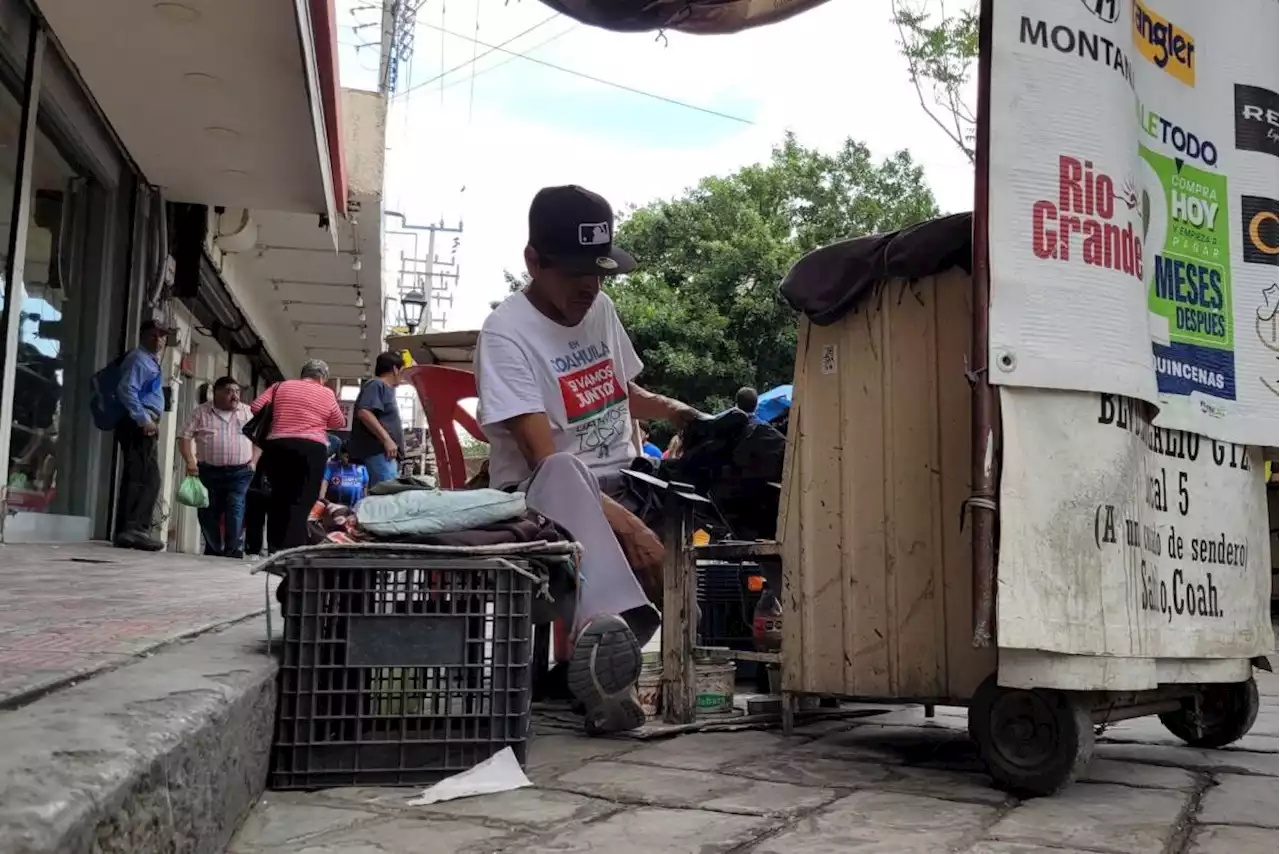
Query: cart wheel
{"x": 1226, "y": 713}
{"x": 1033, "y": 742}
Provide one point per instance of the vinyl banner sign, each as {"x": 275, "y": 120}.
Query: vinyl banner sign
{"x": 1151, "y": 543}
{"x": 1133, "y": 213}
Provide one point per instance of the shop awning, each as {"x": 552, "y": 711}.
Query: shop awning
{"x": 232, "y": 103}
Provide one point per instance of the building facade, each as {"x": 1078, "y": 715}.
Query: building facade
{"x": 193, "y": 161}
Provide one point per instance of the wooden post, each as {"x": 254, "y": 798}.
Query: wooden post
{"x": 679, "y": 614}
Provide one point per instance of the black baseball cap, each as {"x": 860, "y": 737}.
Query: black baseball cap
{"x": 572, "y": 230}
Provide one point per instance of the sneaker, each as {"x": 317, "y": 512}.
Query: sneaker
{"x": 602, "y": 676}
{"x": 138, "y": 541}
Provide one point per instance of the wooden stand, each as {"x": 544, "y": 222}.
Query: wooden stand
{"x": 680, "y": 603}
{"x": 679, "y": 611}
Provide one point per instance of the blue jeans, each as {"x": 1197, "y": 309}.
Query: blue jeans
{"x": 227, "y": 486}
{"x": 380, "y": 468}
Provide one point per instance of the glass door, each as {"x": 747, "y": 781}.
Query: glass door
{"x": 57, "y": 314}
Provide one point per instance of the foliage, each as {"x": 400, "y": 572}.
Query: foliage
{"x": 703, "y": 309}
{"x": 940, "y": 52}
{"x": 472, "y": 448}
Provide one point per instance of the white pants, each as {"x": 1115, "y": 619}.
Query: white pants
{"x": 564, "y": 490}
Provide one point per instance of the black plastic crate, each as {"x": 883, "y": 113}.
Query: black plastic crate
{"x": 400, "y": 668}
{"x": 727, "y": 605}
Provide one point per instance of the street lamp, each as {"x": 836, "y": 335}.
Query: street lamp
{"x": 412, "y": 306}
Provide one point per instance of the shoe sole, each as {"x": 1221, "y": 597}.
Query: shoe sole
{"x": 602, "y": 675}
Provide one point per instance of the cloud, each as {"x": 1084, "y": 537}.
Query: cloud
{"x": 828, "y": 74}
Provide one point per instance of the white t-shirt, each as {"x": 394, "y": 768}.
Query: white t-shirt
{"x": 578, "y": 376}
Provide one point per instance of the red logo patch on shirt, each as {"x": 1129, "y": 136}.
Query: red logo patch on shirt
{"x": 591, "y": 390}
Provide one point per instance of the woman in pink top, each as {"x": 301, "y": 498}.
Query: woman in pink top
{"x": 296, "y": 450}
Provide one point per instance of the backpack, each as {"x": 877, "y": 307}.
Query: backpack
{"x": 104, "y": 405}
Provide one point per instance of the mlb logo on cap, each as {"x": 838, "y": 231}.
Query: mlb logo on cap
{"x": 593, "y": 234}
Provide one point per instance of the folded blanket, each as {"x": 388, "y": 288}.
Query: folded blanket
{"x": 421, "y": 512}
{"x": 522, "y": 529}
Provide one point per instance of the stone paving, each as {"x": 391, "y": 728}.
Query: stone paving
{"x": 69, "y": 611}
{"x": 891, "y": 784}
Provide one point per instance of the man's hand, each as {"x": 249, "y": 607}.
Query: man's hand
{"x": 683, "y": 415}
{"x": 389, "y": 448}
{"x": 150, "y": 428}
{"x": 193, "y": 470}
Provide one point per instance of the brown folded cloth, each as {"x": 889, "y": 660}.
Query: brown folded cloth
{"x": 522, "y": 529}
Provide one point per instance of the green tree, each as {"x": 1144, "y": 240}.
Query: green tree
{"x": 703, "y": 308}
{"x": 940, "y": 50}
{"x": 472, "y": 448}
{"x": 513, "y": 282}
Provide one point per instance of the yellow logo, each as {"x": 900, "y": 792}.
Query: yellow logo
{"x": 1164, "y": 45}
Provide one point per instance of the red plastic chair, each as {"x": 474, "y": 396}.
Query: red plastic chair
{"x": 440, "y": 390}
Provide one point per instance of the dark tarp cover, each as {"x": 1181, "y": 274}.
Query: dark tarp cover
{"x": 830, "y": 282}
{"x": 702, "y": 17}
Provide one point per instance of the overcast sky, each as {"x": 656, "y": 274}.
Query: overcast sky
{"x": 517, "y": 126}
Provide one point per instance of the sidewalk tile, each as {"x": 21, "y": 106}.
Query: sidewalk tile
{"x": 1099, "y": 817}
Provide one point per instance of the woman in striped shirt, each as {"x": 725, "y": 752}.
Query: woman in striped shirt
{"x": 296, "y": 450}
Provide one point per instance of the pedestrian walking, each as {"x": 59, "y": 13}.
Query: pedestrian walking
{"x": 296, "y": 450}
{"x": 215, "y": 449}
{"x": 377, "y": 436}
{"x": 140, "y": 395}
{"x": 256, "y": 503}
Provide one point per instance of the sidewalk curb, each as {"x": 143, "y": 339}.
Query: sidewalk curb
{"x": 168, "y": 753}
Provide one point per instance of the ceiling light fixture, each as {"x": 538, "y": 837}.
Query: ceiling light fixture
{"x": 359, "y": 300}
{"x": 356, "y": 265}
{"x": 363, "y": 317}
{"x": 177, "y": 13}
{"x": 364, "y": 336}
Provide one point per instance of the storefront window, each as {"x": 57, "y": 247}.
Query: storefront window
{"x": 57, "y": 314}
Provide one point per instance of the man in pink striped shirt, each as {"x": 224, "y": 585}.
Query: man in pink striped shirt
{"x": 215, "y": 449}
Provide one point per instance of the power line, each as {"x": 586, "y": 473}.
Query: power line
{"x": 441, "y": 28}
{"x": 471, "y": 61}
{"x": 522, "y": 55}
{"x": 475, "y": 48}
{"x": 593, "y": 79}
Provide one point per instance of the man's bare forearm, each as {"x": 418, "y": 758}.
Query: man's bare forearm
{"x": 532, "y": 433}
{"x": 187, "y": 449}
{"x": 646, "y": 405}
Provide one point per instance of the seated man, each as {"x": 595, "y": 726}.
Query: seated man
{"x": 558, "y": 400}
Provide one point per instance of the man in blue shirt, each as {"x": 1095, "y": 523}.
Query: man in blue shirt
{"x": 141, "y": 395}
{"x": 377, "y": 437}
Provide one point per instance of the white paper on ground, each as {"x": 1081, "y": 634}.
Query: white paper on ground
{"x": 499, "y": 773}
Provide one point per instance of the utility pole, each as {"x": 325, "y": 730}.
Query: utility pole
{"x": 414, "y": 269}
{"x": 426, "y": 272}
